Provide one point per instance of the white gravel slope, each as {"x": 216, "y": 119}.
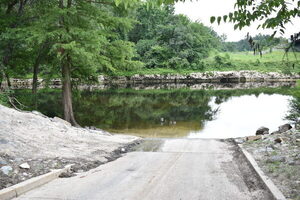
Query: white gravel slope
{"x": 32, "y": 135}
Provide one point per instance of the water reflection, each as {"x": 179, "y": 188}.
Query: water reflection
{"x": 171, "y": 113}
{"x": 242, "y": 116}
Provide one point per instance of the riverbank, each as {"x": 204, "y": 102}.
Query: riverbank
{"x": 32, "y": 144}
{"x": 212, "y": 77}
{"x": 278, "y": 155}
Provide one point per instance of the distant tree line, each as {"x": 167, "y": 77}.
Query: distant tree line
{"x": 267, "y": 42}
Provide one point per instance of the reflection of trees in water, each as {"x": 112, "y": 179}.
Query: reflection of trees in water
{"x": 142, "y": 110}
{"x": 127, "y": 109}
{"x": 47, "y": 101}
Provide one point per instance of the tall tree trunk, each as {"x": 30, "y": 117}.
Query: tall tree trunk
{"x": 67, "y": 94}
{"x": 66, "y": 76}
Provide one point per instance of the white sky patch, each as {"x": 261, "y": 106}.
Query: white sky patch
{"x": 202, "y": 10}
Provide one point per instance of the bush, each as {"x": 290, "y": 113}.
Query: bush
{"x": 4, "y": 97}
{"x": 178, "y": 63}
{"x": 223, "y": 61}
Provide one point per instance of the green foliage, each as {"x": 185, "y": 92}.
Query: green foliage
{"x": 222, "y": 60}
{"x": 4, "y": 98}
{"x": 294, "y": 108}
{"x": 166, "y": 40}
{"x": 90, "y": 37}
{"x": 269, "y": 62}
{"x": 273, "y": 14}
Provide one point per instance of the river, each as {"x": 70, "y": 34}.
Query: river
{"x": 169, "y": 113}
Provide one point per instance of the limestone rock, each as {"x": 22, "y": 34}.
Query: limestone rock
{"x": 262, "y": 131}
{"x": 24, "y": 166}
{"x": 284, "y": 128}
{"x": 2, "y": 161}
{"x": 6, "y": 169}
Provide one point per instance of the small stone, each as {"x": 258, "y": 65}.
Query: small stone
{"x": 24, "y": 166}
{"x": 3, "y": 141}
{"x": 276, "y": 159}
{"x": 291, "y": 162}
{"x": 25, "y": 174}
{"x": 6, "y": 169}
{"x": 269, "y": 149}
{"x": 239, "y": 140}
{"x": 262, "y": 131}
{"x": 66, "y": 175}
{"x": 253, "y": 138}
{"x": 3, "y": 162}
{"x": 123, "y": 150}
{"x": 297, "y": 140}
{"x": 278, "y": 140}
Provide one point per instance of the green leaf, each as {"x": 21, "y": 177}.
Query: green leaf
{"x": 219, "y": 20}
{"x": 212, "y": 19}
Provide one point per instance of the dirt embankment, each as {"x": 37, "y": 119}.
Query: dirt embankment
{"x": 32, "y": 144}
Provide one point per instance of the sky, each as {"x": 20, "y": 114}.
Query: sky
{"x": 202, "y": 10}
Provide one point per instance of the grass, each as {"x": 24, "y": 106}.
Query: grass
{"x": 273, "y": 167}
{"x": 269, "y": 62}
{"x": 276, "y": 56}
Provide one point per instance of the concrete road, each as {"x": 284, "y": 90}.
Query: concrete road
{"x": 182, "y": 169}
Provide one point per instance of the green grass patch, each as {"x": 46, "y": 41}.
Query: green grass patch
{"x": 269, "y": 62}
{"x": 226, "y": 61}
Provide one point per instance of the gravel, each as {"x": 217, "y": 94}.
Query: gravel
{"x": 32, "y": 144}
{"x": 279, "y": 157}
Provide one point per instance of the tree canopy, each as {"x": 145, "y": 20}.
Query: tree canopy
{"x": 271, "y": 14}
{"x": 166, "y": 40}
{"x": 75, "y": 40}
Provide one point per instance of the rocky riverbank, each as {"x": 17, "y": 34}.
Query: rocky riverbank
{"x": 32, "y": 144}
{"x": 171, "y": 79}
{"x": 278, "y": 154}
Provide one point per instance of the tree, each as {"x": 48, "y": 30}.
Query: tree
{"x": 166, "y": 40}
{"x": 82, "y": 37}
{"x": 273, "y": 14}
